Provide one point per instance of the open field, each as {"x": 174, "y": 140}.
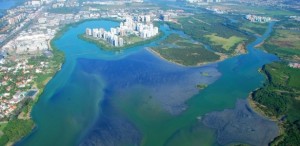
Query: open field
{"x": 180, "y": 50}
{"x": 262, "y": 10}
{"x": 255, "y": 28}
{"x": 286, "y": 38}
{"x": 285, "y": 44}
{"x": 226, "y": 43}
{"x": 265, "y": 11}
{"x": 201, "y": 25}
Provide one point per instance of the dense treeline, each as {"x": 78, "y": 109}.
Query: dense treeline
{"x": 15, "y": 130}
{"x": 279, "y": 98}
{"x": 276, "y": 103}
{"x": 292, "y": 137}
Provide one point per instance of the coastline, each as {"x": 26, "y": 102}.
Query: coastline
{"x": 259, "y": 101}
{"x": 58, "y": 104}
{"x": 222, "y": 58}
{"x": 161, "y": 57}
{"x": 66, "y": 27}
{"x": 56, "y": 53}
{"x": 256, "y": 107}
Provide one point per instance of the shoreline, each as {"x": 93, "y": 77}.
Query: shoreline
{"x": 161, "y": 57}
{"x": 256, "y": 107}
{"x": 66, "y": 27}
{"x": 56, "y": 52}
{"x": 222, "y": 58}
{"x": 239, "y": 50}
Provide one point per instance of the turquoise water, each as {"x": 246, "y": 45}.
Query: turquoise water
{"x": 7, "y": 4}
{"x": 133, "y": 97}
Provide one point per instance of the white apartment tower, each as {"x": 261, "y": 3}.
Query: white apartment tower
{"x": 88, "y": 31}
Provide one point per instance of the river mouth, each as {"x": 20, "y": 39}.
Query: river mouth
{"x": 134, "y": 97}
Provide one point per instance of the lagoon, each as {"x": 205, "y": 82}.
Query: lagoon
{"x": 136, "y": 98}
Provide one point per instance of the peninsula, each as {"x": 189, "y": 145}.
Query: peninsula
{"x": 134, "y": 30}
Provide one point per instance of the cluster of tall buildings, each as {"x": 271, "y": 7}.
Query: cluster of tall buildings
{"x": 109, "y": 36}
{"x": 261, "y": 19}
{"x": 140, "y": 26}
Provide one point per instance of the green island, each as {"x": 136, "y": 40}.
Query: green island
{"x": 182, "y": 51}
{"x": 131, "y": 40}
{"x": 279, "y": 99}
{"x": 201, "y": 86}
{"x": 205, "y": 74}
